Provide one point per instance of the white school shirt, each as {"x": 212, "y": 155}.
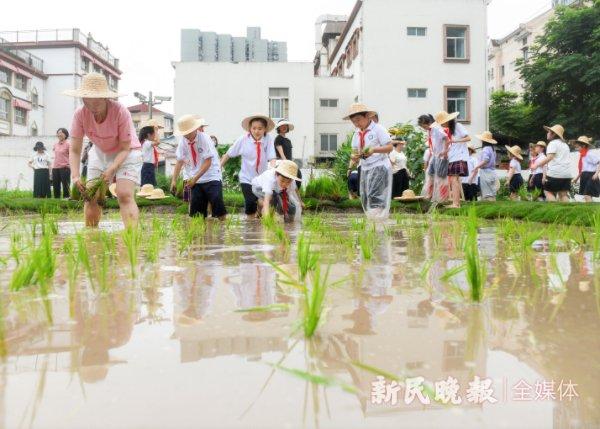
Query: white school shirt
{"x": 204, "y": 148}
{"x": 246, "y": 148}
{"x": 147, "y": 152}
{"x": 437, "y": 136}
{"x": 267, "y": 181}
{"x": 376, "y": 136}
{"x": 398, "y": 160}
{"x": 539, "y": 158}
{"x": 514, "y": 163}
{"x": 591, "y": 161}
{"x": 472, "y": 163}
{"x": 560, "y": 166}
{"x": 40, "y": 160}
{"x": 459, "y": 151}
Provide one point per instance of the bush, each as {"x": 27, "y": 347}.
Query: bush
{"x": 231, "y": 170}
{"x": 327, "y": 187}
{"x": 341, "y": 161}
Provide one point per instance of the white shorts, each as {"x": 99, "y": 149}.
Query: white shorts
{"x": 130, "y": 169}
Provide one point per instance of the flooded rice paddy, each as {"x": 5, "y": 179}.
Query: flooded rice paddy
{"x": 333, "y": 323}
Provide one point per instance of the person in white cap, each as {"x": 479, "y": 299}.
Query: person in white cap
{"x": 257, "y": 150}
{"x": 199, "y": 158}
{"x": 371, "y": 144}
{"x": 276, "y": 188}
{"x": 116, "y": 151}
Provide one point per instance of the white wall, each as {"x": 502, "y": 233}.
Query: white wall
{"x": 225, "y": 93}
{"x": 16, "y": 151}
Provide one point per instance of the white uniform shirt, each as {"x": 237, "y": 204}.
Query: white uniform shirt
{"x": 459, "y": 151}
{"x": 472, "y": 163}
{"x": 204, "y": 149}
{"x": 40, "y": 160}
{"x": 560, "y": 166}
{"x": 246, "y": 148}
{"x": 539, "y": 158}
{"x": 147, "y": 152}
{"x": 398, "y": 160}
{"x": 375, "y": 137}
{"x": 591, "y": 161}
{"x": 267, "y": 181}
{"x": 437, "y": 136}
{"x": 516, "y": 165}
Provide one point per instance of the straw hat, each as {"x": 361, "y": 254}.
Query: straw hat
{"x": 246, "y": 122}
{"x": 38, "y": 146}
{"x": 516, "y": 151}
{"x": 559, "y": 130}
{"x": 408, "y": 196}
{"x": 151, "y": 123}
{"x": 287, "y": 169}
{"x": 157, "y": 194}
{"x": 187, "y": 124}
{"x": 487, "y": 137}
{"x": 113, "y": 189}
{"x": 284, "y": 122}
{"x": 146, "y": 190}
{"x": 541, "y": 143}
{"x": 585, "y": 140}
{"x": 203, "y": 121}
{"x": 93, "y": 85}
{"x": 357, "y": 108}
{"x": 444, "y": 117}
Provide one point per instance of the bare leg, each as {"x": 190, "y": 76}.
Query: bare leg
{"x": 563, "y": 196}
{"x": 92, "y": 212}
{"x": 127, "y": 205}
{"x": 455, "y": 191}
{"x": 587, "y": 199}
{"x": 550, "y": 196}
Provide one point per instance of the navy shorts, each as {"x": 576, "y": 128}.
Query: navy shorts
{"x": 204, "y": 193}
{"x": 250, "y": 200}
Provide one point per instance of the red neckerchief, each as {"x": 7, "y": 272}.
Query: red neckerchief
{"x": 155, "y": 155}
{"x": 582, "y": 154}
{"x": 448, "y": 134}
{"x": 258, "y": 150}
{"x": 193, "y": 151}
{"x": 284, "y": 201}
{"x": 429, "y": 140}
{"x": 361, "y": 135}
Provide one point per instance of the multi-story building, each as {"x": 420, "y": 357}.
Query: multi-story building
{"x": 139, "y": 114}
{"x": 67, "y": 55}
{"x": 206, "y": 46}
{"x": 22, "y": 85}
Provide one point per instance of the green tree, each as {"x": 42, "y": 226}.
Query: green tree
{"x": 513, "y": 118}
{"x": 562, "y": 77}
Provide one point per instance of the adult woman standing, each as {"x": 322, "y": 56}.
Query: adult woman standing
{"x": 400, "y": 176}
{"x": 116, "y": 151}
{"x": 436, "y": 186}
{"x": 558, "y": 159}
{"x": 40, "y": 163}
{"x": 61, "y": 173}
{"x": 283, "y": 145}
{"x": 486, "y": 168}
{"x": 458, "y": 155}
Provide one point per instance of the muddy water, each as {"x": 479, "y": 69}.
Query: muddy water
{"x": 169, "y": 350}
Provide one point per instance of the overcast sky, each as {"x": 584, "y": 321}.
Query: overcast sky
{"x": 145, "y": 35}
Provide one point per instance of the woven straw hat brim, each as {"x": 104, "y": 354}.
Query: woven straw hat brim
{"x": 282, "y": 123}
{"x": 286, "y": 174}
{"x": 556, "y": 130}
{"x": 197, "y": 123}
{"x": 246, "y": 122}
{"x": 584, "y": 140}
{"x": 156, "y": 198}
{"x": 370, "y": 113}
{"x": 542, "y": 144}
{"x": 85, "y": 93}
{"x": 514, "y": 152}
{"x": 486, "y": 139}
{"x": 447, "y": 118}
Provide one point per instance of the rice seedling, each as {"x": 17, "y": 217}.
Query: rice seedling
{"x": 268, "y": 221}
{"x": 16, "y": 246}
{"x": 307, "y": 259}
{"x": 132, "y": 238}
{"x": 44, "y": 260}
{"x": 366, "y": 242}
{"x": 83, "y": 257}
{"x": 281, "y": 236}
{"x": 266, "y": 308}
{"x": 358, "y": 224}
{"x": 157, "y": 235}
{"x": 596, "y": 240}
{"x": 476, "y": 266}
{"x": 317, "y": 379}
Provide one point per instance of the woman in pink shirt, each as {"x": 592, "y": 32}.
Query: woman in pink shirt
{"x": 61, "y": 173}
{"x": 116, "y": 152}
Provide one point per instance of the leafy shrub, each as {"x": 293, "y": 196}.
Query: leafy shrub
{"x": 416, "y": 143}
{"x": 327, "y": 187}
{"x": 231, "y": 170}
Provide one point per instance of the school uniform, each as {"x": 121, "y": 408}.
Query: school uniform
{"x": 282, "y": 200}
{"x": 41, "y": 174}
{"x": 458, "y": 154}
{"x": 487, "y": 173}
{"x": 437, "y": 188}
{"x": 286, "y": 146}
{"x": 255, "y": 160}
{"x": 558, "y": 176}
{"x": 537, "y": 174}
{"x": 589, "y": 165}
{"x": 516, "y": 181}
{"x": 400, "y": 179}
{"x": 209, "y": 187}
{"x": 150, "y": 162}
{"x": 471, "y": 190}
{"x": 375, "y": 171}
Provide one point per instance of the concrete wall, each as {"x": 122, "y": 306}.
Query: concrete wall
{"x": 16, "y": 151}
{"x": 225, "y": 93}
{"x": 328, "y": 120}
{"x": 189, "y": 44}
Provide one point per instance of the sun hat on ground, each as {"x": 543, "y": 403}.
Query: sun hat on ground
{"x": 39, "y": 145}
{"x": 444, "y": 117}
{"x": 409, "y": 195}
{"x": 157, "y": 194}
{"x": 516, "y": 151}
{"x": 288, "y": 169}
{"x": 585, "y": 140}
{"x": 541, "y": 143}
{"x": 146, "y": 190}
{"x": 187, "y": 124}
{"x": 559, "y": 130}
{"x": 246, "y": 122}
{"x": 487, "y": 137}
{"x": 151, "y": 123}
{"x": 93, "y": 85}
{"x": 357, "y": 108}
{"x": 284, "y": 122}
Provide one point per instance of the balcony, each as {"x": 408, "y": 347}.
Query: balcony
{"x": 41, "y": 37}
{"x": 30, "y": 59}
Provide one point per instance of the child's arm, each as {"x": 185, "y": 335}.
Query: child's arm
{"x": 224, "y": 159}
{"x": 511, "y": 173}
{"x": 176, "y": 176}
{"x": 266, "y": 205}
{"x": 280, "y": 151}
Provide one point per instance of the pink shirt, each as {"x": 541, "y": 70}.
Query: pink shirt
{"x": 117, "y": 127}
{"x": 61, "y": 154}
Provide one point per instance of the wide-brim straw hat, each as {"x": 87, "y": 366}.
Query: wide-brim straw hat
{"x": 444, "y": 117}
{"x": 93, "y": 85}
{"x": 487, "y": 137}
{"x": 188, "y": 124}
{"x": 157, "y": 194}
{"x": 541, "y": 143}
{"x": 357, "y": 108}
{"x": 246, "y": 122}
{"x": 284, "y": 122}
{"x": 585, "y": 140}
{"x": 204, "y": 123}
{"x": 287, "y": 169}
{"x": 409, "y": 195}
{"x": 151, "y": 123}
{"x": 515, "y": 150}
{"x": 113, "y": 189}
{"x": 146, "y": 190}
{"x": 559, "y": 130}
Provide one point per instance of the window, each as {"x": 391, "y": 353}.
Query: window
{"x": 21, "y": 82}
{"x": 5, "y": 76}
{"x": 4, "y": 107}
{"x": 85, "y": 64}
{"x": 20, "y": 116}
{"x": 525, "y": 54}
{"x": 34, "y": 129}
{"x": 34, "y": 98}
{"x": 502, "y": 71}
{"x": 457, "y": 42}
{"x": 458, "y": 100}
{"x": 416, "y": 31}
{"x": 328, "y": 142}
{"x": 279, "y": 103}
{"x": 329, "y": 102}
{"x": 524, "y": 41}
{"x": 417, "y": 93}
{"x": 491, "y": 74}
